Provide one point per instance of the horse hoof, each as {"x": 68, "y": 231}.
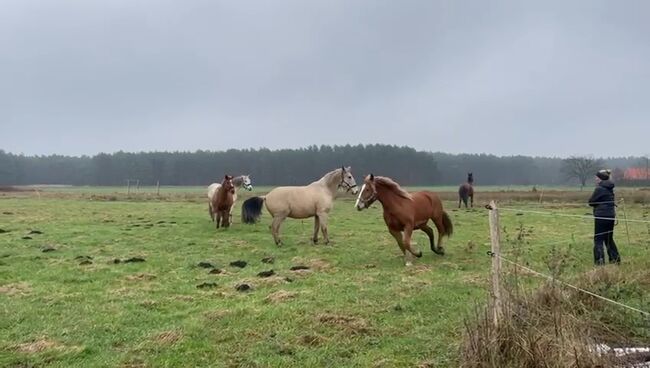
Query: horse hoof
{"x": 439, "y": 251}
{"x": 419, "y": 255}
{"x": 314, "y": 241}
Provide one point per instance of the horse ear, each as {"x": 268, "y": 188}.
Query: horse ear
{"x": 372, "y": 177}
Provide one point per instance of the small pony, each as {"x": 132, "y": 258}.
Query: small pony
{"x": 405, "y": 212}
{"x": 223, "y": 201}
{"x": 239, "y": 182}
{"x": 313, "y": 200}
{"x": 466, "y": 190}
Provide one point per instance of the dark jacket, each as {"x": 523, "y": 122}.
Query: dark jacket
{"x": 603, "y": 201}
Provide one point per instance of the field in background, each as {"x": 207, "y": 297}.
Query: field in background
{"x": 357, "y": 305}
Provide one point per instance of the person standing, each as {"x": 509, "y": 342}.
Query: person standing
{"x": 604, "y": 203}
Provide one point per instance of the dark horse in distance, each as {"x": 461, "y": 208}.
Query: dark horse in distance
{"x": 466, "y": 190}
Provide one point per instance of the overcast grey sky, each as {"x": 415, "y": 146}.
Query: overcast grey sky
{"x": 514, "y": 77}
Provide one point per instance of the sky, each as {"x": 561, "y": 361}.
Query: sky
{"x": 547, "y": 78}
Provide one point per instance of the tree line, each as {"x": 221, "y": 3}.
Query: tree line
{"x": 286, "y": 166}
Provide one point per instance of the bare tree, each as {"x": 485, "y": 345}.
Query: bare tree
{"x": 581, "y": 168}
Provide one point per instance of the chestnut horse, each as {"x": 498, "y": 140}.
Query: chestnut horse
{"x": 466, "y": 190}
{"x": 313, "y": 200}
{"x": 222, "y": 202}
{"x": 239, "y": 182}
{"x": 405, "y": 212}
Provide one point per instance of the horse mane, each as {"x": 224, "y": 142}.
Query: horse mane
{"x": 327, "y": 177}
{"x": 392, "y": 186}
{"x": 238, "y": 180}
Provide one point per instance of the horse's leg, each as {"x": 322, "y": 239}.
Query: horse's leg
{"x": 316, "y": 228}
{"x": 437, "y": 220}
{"x": 429, "y": 231}
{"x": 322, "y": 218}
{"x": 459, "y": 200}
{"x": 275, "y": 227}
{"x": 210, "y": 212}
{"x": 234, "y": 199}
{"x": 226, "y": 219}
{"x": 472, "y": 199}
{"x": 400, "y": 242}
{"x": 218, "y": 219}
{"x": 408, "y": 233}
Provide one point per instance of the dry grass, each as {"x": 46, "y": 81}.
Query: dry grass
{"x": 350, "y": 324}
{"x": 552, "y": 327}
{"x": 280, "y": 296}
{"x": 168, "y": 337}
{"x": 19, "y": 288}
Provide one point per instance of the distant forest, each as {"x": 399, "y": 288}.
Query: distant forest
{"x": 286, "y": 166}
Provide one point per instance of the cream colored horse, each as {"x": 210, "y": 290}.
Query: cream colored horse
{"x": 313, "y": 200}
{"x": 240, "y": 181}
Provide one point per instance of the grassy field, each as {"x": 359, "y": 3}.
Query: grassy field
{"x": 356, "y": 306}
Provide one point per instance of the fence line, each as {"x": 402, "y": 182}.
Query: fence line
{"x": 569, "y": 285}
{"x": 556, "y": 242}
{"x": 549, "y": 213}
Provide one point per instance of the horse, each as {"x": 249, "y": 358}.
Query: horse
{"x": 238, "y": 182}
{"x": 223, "y": 201}
{"x": 466, "y": 190}
{"x": 404, "y": 212}
{"x": 300, "y": 202}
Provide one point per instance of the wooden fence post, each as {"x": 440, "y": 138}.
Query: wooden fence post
{"x": 627, "y": 229}
{"x": 128, "y": 186}
{"x": 158, "y": 188}
{"x": 495, "y": 239}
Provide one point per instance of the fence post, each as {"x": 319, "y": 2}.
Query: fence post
{"x": 627, "y": 229}
{"x": 128, "y": 186}
{"x": 495, "y": 239}
{"x": 158, "y": 188}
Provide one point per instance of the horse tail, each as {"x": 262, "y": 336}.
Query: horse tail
{"x": 251, "y": 209}
{"x": 446, "y": 222}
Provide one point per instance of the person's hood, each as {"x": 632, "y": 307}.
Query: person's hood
{"x": 607, "y": 184}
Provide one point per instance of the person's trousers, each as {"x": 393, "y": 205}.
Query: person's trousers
{"x": 604, "y": 236}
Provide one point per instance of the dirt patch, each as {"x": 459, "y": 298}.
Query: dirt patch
{"x": 267, "y": 281}
{"x": 20, "y": 288}
{"x": 239, "y": 264}
{"x": 168, "y": 337}
{"x": 141, "y": 277}
{"x": 134, "y": 260}
{"x": 243, "y": 287}
{"x": 315, "y": 264}
{"x": 38, "y": 346}
{"x": 264, "y": 274}
{"x": 280, "y": 296}
{"x": 350, "y": 324}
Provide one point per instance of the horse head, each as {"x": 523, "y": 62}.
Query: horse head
{"x": 227, "y": 184}
{"x": 368, "y": 194}
{"x": 347, "y": 180}
{"x": 247, "y": 183}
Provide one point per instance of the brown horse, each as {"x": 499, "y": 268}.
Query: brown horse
{"x": 466, "y": 190}
{"x": 222, "y": 202}
{"x": 405, "y": 212}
